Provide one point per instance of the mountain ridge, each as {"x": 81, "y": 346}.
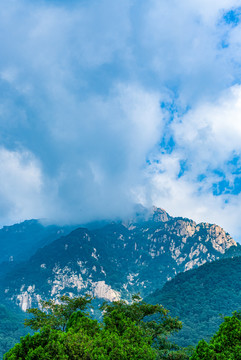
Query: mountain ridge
{"x": 116, "y": 260}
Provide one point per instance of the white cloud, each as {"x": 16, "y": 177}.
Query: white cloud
{"x": 104, "y": 142}
{"x": 206, "y": 138}
{"x": 21, "y": 185}
{"x": 80, "y": 88}
{"x": 211, "y": 132}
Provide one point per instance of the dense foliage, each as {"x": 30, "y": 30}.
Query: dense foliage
{"x": 199, "y": 296}
{"x": 225, "y": 344}
{"x": 127, "y": 332}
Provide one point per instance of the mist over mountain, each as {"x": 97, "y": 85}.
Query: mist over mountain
{"x": 105, "y": 105}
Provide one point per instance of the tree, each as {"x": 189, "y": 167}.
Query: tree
{"x": 225, "y": 344}
{"x": 154, "y": 322}
{"x": 56, "y": 315}
{"x": 128, "y": 331}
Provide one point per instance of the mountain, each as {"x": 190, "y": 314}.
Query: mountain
{"x": 116, "y": 260}
{"x": 18, "y": 242}
{"x": 11, "y": 327}
{"x": 199, "y": 296}
{"x": 232, "y": 252}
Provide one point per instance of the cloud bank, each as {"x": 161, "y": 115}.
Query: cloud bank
{"x": 105, "y": 104}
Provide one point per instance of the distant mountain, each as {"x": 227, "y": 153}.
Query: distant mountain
{"x": 20, "y": 241}
{"x": 198, "y": 297}
{"x": 116, "y": 260}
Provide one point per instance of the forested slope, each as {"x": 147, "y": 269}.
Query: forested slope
{"x": 11, "y": 327}
{"x": 198, "y": 297}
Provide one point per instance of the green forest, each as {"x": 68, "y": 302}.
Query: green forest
{"x": 11, "y": 327}
{"x": 139, "y": 330}
{"x": 128, "y": 331}
{"x": 201, "y": 298}
{"x": 203, "y": 321}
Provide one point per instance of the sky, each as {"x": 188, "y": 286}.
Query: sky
{"x": 106, "y": 104}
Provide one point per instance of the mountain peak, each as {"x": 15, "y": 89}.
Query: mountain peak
{"x": 159, "y": 214}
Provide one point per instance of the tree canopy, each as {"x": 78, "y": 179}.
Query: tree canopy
{"x": 128, "y": 331}
{"x": 225, "y": 344}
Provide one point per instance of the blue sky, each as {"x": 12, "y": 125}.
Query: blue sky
{"x": 105, "y": 104}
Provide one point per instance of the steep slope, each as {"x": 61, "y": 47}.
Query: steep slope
{"x": 199, "y": 296}
{"x": 232, "y": 252}
{"x": 116, "y": 260}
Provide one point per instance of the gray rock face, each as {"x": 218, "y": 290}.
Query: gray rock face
{"x": 117, "y": 260}
{"x": 159, "y": 215}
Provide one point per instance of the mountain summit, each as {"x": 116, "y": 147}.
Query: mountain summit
{"x": 116, "y": 260}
